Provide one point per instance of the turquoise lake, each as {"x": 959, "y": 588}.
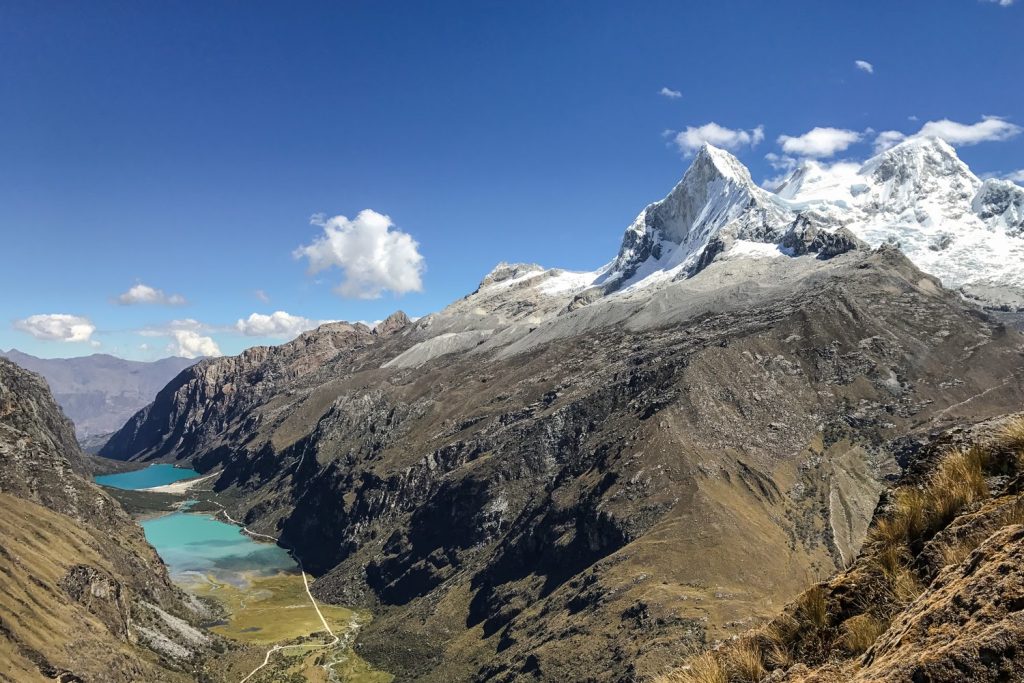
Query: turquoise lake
{"x": 197, "y": 545}
{"x": 154, "y": 475}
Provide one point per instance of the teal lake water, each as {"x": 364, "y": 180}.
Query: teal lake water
{"x": 197, "y": 545}
{"x": 154, "y": 475}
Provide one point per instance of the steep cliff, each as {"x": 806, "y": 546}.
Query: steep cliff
{"x": 99, "y": 392}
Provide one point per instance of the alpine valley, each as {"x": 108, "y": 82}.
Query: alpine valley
{"x": 596, "y": 476}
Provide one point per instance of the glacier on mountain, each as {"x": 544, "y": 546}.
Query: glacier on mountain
{"x": 917, "y": 195}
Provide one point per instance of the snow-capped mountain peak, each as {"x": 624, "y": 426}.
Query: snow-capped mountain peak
{"x": 921, "y": 196}
{"x": 918, "y": 195}
{"x": 716, "y": 198}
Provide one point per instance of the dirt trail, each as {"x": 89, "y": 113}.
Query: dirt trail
{"x": 335, "y": 638}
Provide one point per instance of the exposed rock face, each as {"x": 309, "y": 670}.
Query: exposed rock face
{"x": 808, "y": 239}
{"x": 586, "y": 491}
{"x": 392, "y": 324}
{"x": 79, "y": 582}
{"x": 99, "y": 392}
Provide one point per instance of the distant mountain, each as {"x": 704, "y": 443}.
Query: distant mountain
{"x": 918, "y": 196}
{"x": 100, "y": 392}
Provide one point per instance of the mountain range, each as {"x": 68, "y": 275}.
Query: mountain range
{"x": 100, "y": 392}
{"x": 589, "y": 476}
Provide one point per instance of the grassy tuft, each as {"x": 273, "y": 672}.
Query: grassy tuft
{"x": 959, "y": 482}
{"x": 812, "y": 608}
{"x": 777, "y": 638}
{"x": 860, "y": 632}
{"x": 744, "y": 661}
{"x": 704, "y": 668}
{"x": 1011, "y": 438}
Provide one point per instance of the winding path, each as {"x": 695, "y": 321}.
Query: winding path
{"x": 305, "y": 582}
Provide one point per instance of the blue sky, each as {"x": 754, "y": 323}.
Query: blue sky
{"x": 186, "y": 146}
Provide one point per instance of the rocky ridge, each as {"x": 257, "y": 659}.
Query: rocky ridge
{"x": 85, "y": 598}
{"x": 587, "y": 475}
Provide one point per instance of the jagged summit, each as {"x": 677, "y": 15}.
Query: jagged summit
{"x": 391, "y": 324}
{"x": 918, "y": 195}
{"x": 716, "y": 198}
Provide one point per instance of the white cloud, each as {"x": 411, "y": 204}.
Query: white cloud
{"x": 866, "y": 67}
{"x": 57, "y": 326}
{"x": 1003, "y": 3}
{"x": 373, "y": 255}
{"x": 262, "y": 296}
{"x": 168, "y": 329}
{"x": 670, "y": 93}
{"x": 819, "y": 142}
{"x": 989, "y": 129}
{"x": 887, "y": 139}
{"x": 144, "y": 294}
{"x": 1016, "y": 176}
{"x": 189, "y": 344}
{"x": 278, "y": 324}
{"x": 782, "y": 163}
{"x": 691, "y": 139}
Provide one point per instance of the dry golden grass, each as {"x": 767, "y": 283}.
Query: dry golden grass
{"x": 1011, "y": 437}
{"x": 904, "y": 587}
{"x": 861, "y": 631}
{"x": 778, "y": 641}
{"x": 890, "y": 559}
{"x": 905, "y": 521}
{"x": 957, "y": 550}
{"x": 744, "y": 662}
{"x": 812, "y": 608}
{"x": 704, "y": 668}
{"x": 958, "y": 482}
